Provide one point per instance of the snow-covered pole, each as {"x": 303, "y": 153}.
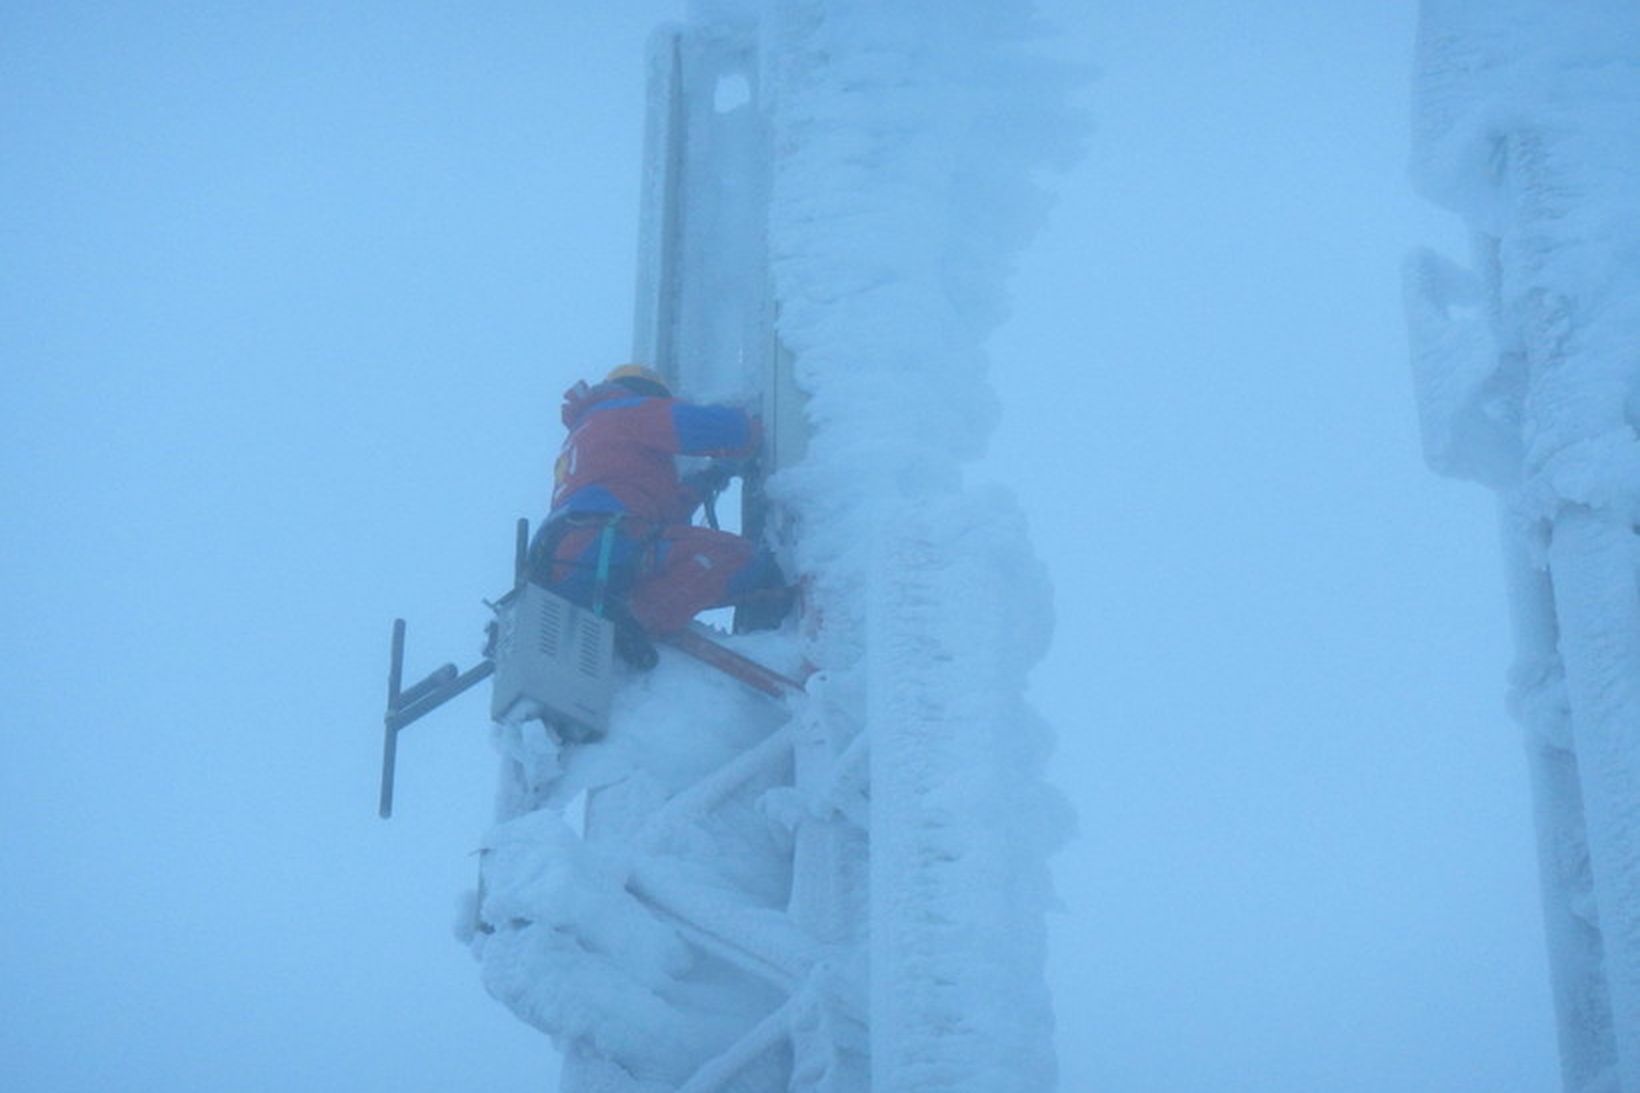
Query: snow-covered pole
{"x": 906, "y": 134}
{"x": 1571, "y": 928}
{"x": 1526, "y": 127}
{"x": 1592, "y": 557}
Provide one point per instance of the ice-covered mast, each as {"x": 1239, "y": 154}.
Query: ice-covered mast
{"x": 1528, "y": 374}
{"x": 842, "y": 891}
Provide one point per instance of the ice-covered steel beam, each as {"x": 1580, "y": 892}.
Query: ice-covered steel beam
{"x": 908, "y": 132}
{"x": 1528, "y": 372}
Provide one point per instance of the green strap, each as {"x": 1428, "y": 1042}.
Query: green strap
{"x": 600, "y": 580}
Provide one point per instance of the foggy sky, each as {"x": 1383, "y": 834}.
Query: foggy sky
{"x": 287, "y": 298}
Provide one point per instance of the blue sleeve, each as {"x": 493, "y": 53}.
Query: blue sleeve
{"x": 712, "y": 430}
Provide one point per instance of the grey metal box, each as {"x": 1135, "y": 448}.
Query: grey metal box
{"x": 553, "y": 660}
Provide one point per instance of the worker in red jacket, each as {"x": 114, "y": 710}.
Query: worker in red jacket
{"x": 621, "y": 513}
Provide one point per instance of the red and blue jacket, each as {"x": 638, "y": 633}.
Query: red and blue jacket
{"x": 618, "y": 457}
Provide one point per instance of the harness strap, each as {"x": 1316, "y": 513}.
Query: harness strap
{"x": 600, "y": 580}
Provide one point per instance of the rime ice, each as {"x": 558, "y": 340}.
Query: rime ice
{"x": 1528, "y": 372}
{"x": 843, "y": 890}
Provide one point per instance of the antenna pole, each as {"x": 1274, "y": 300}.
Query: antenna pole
{"x": 521, "y": 551}
{"x": 390, "y": 730}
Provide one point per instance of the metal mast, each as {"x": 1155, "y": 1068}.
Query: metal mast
{"x": 1528, "y": 367}
{"x": 838, "y": 889}
{"x": 773, "y": 937}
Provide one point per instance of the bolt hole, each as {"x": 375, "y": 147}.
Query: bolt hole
{"x": 732, "y": 92}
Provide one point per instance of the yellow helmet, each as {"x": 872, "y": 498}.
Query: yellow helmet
{"x": 640, "y": 379}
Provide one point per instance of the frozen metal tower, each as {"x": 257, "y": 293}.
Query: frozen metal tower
{"x": 838, "y": 887}
{"x": 1528, "y": 375}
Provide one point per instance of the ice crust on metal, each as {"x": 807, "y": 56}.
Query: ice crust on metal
{"x": 726, "y": 894}
{"x": 1526, "y": 369}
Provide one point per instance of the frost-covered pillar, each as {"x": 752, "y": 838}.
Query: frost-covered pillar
{"x": 1529, "y": 380}
{"x": 956, "y": 948}
{"x": 905, "y": 136}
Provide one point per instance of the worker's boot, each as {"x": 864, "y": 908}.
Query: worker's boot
{"x": 764, "y": 609}
{"x": 633, "y": 645}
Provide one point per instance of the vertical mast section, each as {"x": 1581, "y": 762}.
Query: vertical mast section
{"x": 908, "y": 132}
{"x": 757, "y": 884}
{"x": 704, "y": 312}
{"x": 1528, "y": 372}
{"x": 755, "y": 869}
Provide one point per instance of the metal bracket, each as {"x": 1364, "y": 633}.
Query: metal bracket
{"x": 409, "y": 704}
